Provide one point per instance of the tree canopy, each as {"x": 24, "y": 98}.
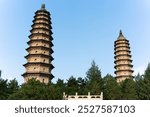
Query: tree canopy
{"x": 130, "y": 89}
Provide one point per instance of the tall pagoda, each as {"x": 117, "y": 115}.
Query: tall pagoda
{"x": 123, "y": 62}
{"x": 40, "y": 51}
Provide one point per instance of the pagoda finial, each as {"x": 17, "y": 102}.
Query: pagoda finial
{"x": 120, "y": 33}
{"x": 43, "y": 6}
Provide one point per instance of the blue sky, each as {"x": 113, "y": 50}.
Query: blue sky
{"x": 83, "y": 30}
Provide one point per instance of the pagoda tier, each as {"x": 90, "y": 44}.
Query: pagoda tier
{"x": 41, "y": 41}
{"x": 39, "y": 57}
{"x": 123, "y": 65}
{"x": 39, "y": 64}
{"x": 123, "y": 55}
{"x": 42, "y": 48}
{"x": 123, "y": 62}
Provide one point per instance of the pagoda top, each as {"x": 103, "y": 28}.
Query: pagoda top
{"x": 43, "y": 7}
{"x": 121, "y": 35}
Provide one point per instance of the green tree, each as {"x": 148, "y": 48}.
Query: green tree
{"x": 13, "y": 86}
{"x": 147, "y": 72}
{"x": 60, "y": 87}
{"x": 3, "y": 89}
{"x": 34, "y": 90}
{"x": 129, "y": 90}
{"x": 143, "y": 85}
{"x": 72, "y": 86}
{"x": 111, "y": 89}
{"x": 138, "y": 77}
{"x": 94, "y": 79}
{"x": 81, "y": 86}
{"x": 140, "y": 89}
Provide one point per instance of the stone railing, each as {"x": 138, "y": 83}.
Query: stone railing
{"x": 83, "y": 97}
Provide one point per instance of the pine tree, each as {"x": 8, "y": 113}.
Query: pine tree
{"x": 72, "y": 86}
{"x": 13, "y": 86}
{"x": 144, "y": 85}
{"x": 94, "y": 79}
{"x": 81, "y": 86}
{"x": 60, "y": 87}
{"x": 138, "y": 77}
{"x": 147, "y": 72}
{"x": 129, "y": 90}
{"x": 34, "y": 90}
{"x": 3, "y": 89}
{"x": 111, "y": 89}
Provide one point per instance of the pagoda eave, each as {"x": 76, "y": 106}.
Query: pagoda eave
{"x": 122, "y": 43}
{"x": 36, "y": 28}
{"x": 36, "y": 63}
{"x": 43, "y": 55}
{"x": 44, "y": 19}
{"x": 39, "y": 11}
{"x": 123, "y": 65}
{"x": 122, "y": 51}
{"x": 44, "y": 24}
{"x": 121, "y": 46}
{"x": 123, "y": 76}
{"x": 121, "y": 40}
{"x": 38, "y": 40}
{"x": 122, "y": 60}
{"x": 40, "y": 34}
{"x": 38, "y": 47}
{"x": 38, "y": 73}
{"x": 123, "y": 70}
{"x": 122, "y": 55}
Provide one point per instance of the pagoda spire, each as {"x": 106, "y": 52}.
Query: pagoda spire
{"x": 43, "y": 7}
{"x": 121, "y": 35}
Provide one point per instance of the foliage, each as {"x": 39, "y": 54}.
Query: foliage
{"x": 3, "y": 89}
{"x": 13, "y": 86}
{"x": 138, "y": 77}
{"x": 7, "y": 88}
{"x": 60, "y": 87}
{"x": 111, "y": 89}
{"x": 72, "y": 86}
{"x": 130, "y": 89}
{"x": 143, "y": 85}
{"x": 34, "y": 90}
{"x": 147, "y": 72}
{"x": 81, "y": 86}
{"x": 94, "y": 79}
